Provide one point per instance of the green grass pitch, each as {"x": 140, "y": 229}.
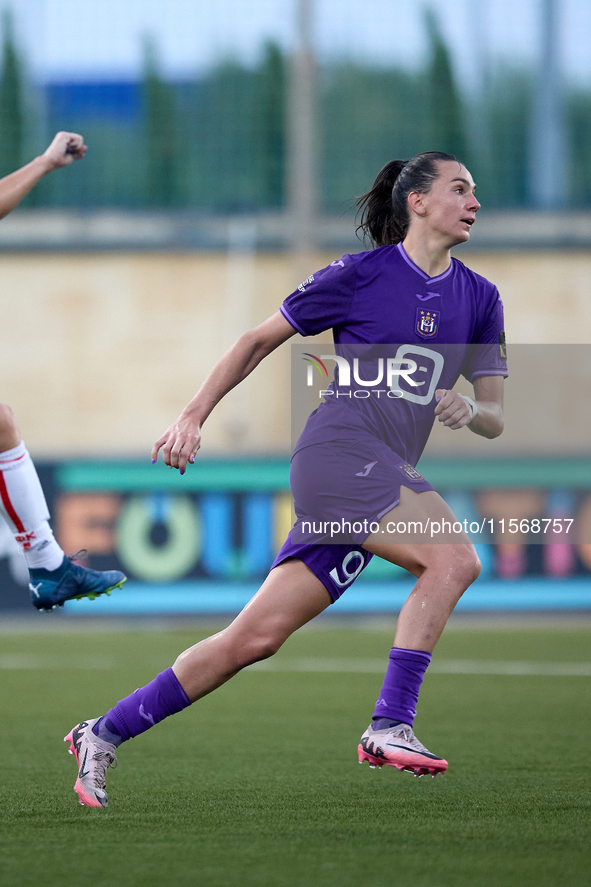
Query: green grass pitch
{"x": 259, "y": 783}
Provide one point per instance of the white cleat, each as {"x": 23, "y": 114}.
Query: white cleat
{"x": 93, "y": 757}
{"x": 400, "y": 748}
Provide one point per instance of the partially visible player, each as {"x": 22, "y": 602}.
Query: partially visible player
{"x": 54, "y": 578}
{"x": 354, "y": 460}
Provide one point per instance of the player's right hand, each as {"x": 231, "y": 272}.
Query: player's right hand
{"x": 66, "y": 148}
{"x": 452, "y": 410}
{"x": 179, "y": 443}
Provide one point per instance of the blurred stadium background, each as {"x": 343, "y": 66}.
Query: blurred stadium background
{"x": 227, "y": 144}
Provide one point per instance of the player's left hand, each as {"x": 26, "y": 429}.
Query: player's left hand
{"x": 179, "y": 443}
{"x": 452, "y": 410}
{"x": 65, "y": 148}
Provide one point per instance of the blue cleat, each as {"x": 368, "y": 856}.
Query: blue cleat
{"x": 50, "y": 589}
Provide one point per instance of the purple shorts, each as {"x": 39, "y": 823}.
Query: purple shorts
{"x": 340, "y": 488}
{"x": 337, "y": 566}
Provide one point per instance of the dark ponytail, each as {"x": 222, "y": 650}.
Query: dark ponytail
{"x": 384, "y": 209}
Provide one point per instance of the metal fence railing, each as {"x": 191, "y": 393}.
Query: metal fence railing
{"x": 215, "y": 136}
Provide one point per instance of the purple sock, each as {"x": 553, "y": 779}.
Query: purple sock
{"x": 400, "y": 690}
{"x": 147, "y": 706}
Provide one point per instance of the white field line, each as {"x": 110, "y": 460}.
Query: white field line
{"x": 438, "y": 666}
{"x": 28, "y": 661}
{"x": 32, "y": 661}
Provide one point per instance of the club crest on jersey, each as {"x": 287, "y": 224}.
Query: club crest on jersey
{"x": 427, "y": 323}
{"x": 410, "y": 472}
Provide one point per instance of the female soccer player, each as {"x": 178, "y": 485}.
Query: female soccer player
{"x": 355, "y": 459}
{"x": 54, "y": 578}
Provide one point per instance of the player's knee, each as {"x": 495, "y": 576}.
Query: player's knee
{"x": 261, "y": 646}
{"x": 9, "y": 432}
{"x": 7, "y": 418}
{"x": 468, "y": 566}
{"x": 458, "y": 563}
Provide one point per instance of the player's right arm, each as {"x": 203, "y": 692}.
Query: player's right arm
{"x": 65, "y": 148}
{"x": 181, "y": 441}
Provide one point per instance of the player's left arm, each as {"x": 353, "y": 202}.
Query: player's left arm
{"x": 455, "y": 412}
{"x": 65, "y": 148}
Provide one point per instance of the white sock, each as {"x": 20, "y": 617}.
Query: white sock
{"x": 23, "y": 506}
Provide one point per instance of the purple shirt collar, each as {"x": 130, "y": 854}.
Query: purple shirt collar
{"x": 416, "y": 268}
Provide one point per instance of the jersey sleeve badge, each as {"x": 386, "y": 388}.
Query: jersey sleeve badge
{"x": 302, "y": 286}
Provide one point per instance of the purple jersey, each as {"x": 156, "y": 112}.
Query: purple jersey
{"x": 449, "y": 325}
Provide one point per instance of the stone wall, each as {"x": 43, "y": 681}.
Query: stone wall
{"x": 100, "y": 351}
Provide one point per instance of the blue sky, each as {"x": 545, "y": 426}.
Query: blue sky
{"x": 81, "y": 39}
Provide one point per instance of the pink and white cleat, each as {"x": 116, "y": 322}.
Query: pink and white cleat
{"x": 93, "y": 756}
{"x": 398, "y": 747}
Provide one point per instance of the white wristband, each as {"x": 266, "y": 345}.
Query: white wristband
{"x": 472, "y": 404}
